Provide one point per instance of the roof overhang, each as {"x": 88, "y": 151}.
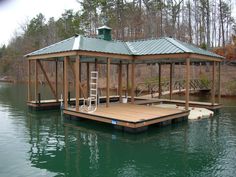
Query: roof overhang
{"x": 154, "y": 58}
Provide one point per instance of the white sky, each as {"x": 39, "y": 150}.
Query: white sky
{"x": 14, "y": 13}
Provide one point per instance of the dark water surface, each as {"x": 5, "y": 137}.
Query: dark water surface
{"x": 44, "y": 144}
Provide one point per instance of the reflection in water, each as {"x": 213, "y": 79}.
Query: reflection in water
{"x": 45, "y": 144}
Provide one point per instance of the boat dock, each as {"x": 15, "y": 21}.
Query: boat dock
{"x": 131, "y": 117}
{"x": 78, "y": 63}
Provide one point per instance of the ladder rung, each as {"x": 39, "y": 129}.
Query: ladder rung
{"x": 94, "y": 78}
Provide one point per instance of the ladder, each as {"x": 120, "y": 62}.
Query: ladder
{"x": 90, "y": 104}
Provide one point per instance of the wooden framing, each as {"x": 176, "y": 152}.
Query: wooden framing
{"x": 88, "y": 79}
{"x": 77, "y": 82}
{"x": 108, "y": 83}
{"x": 120, "y": 81}
{"x": 204, "y": 57}
{"x": 127, "y": 80}
{"x": 187, "y": 78}
{"x": 176, "y": 56}
{"x": 63, "y": 81}
{"x": 66, "y": 60}
{"x": 96, "y": 64}
{"x": 219, "y": 82}
{"x": 171, "y": 80}
{"x": 133, "y": 81}
{"x": 123, "y": 56}
{"x": 213, "y": 83}
{"x": 52, "y": 55}
{"x": 159, "y": 81}
{"x": 29, "y": 80}
{"x": 47, "y": 79}
{"x": 36, "y": 80}
{"x": 80, "y": 79}
{"x": 56, "y": 79}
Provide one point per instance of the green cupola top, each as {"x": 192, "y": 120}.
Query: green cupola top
{"x": 104, "y": 32}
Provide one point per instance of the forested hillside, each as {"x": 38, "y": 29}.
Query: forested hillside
{"x": 206, "y": 23}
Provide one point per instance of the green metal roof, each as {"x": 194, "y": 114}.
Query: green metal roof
{"x": 143, "y": 47}
{"x": 166, "y": 46}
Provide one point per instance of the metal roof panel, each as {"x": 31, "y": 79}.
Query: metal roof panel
{"x": 142, "y": 47}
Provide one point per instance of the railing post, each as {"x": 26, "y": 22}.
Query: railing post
{"x": 39, "y": 98}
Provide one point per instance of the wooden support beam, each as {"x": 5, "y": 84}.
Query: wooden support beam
{"x": 56, "y": 80}
{"x": 80, "y": 79}
{"x": 88, "y": 79}
{"x": 219, "y": 82}
{"x": 74, "y": 75}
{"x": 187, "y": 78}
{"x": 36, "y": 81}
{"x": 127, "y": 80}
{"x": 213, "y": 83}
{"x": 171, "y": 80}
{"x": 159, "y": 82}
{"x": 96, "y": 64}
{"x": 133, "y": 82}
{"x": 120, "y": 81}
{"x": 46, "y": 76}
{"x": 66, "y": 60}
{"x": 77, "y": 82}
{"x": 108, "y": 83}
{"x": 63, "y": 81}
{"x": 29, "y": 80}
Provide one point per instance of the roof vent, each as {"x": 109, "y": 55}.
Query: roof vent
{"x": 104, "y": 32}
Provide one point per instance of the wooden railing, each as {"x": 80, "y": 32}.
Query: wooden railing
{"x": 153, "y": 87}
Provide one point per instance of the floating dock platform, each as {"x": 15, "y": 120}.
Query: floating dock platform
{"x": 131, "y": 117}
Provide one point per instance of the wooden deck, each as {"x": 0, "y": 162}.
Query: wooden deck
{"x": 206, "y": 105}
{"x": 130, "y": 115}
{"x": 53, "y": 104}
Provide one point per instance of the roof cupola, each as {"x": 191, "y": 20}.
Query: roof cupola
{"x": 104, "y": 32}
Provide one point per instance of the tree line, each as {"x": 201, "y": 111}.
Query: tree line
{"x": 205, "y": 23}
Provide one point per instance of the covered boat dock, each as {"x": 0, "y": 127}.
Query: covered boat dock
{"x": 78, "y": 53}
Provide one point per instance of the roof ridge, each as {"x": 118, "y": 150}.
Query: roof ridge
{"x": 128, "y": 47}
{"x": 181, "y": 47}
{"x": 76, "y": 44}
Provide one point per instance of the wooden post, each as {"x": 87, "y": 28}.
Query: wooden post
{"x": 171, "y": 80}
{"x": 77, "y": 82}
{"x": 108, "y": 83}
{"x": 187, "y": 78}
{"x": 80, "y": 79}
{"x": 56, "y": 80}
{"x": 63, "y": 81}
{"x": 29, "y": 80}
{"x": 66, "y": 60}
{"x": 36, "y": 81}
{"x": 133, "y": 81}
{"x": 213, "y": 83}
{"x": 219, "y": 82}
{"x": 96, "y": 64}
{"x": 127, "y": 80}
{"x": 88, "y": 79}
{"x": 120, "y": 81}
{"x": 159, "y": 80}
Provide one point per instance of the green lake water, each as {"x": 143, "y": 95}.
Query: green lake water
{"x": 45, "y": 144}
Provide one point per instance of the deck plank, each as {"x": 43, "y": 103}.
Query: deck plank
{"x": 132, "y": 113}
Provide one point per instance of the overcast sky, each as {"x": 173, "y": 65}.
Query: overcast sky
{"x": 14, "y": 13}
